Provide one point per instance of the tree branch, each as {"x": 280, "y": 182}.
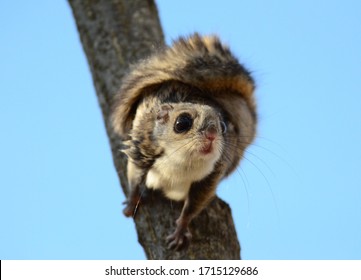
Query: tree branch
{"x": 114, "y": 34}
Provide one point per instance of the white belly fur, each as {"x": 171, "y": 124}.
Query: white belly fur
{"x": 174, "y": 178}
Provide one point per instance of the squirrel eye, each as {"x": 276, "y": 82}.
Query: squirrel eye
{"x": 183, "y": 123}
{"x": 223, "y": 127}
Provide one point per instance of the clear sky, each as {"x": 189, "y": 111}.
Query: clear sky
{"x": 297, "y": 194}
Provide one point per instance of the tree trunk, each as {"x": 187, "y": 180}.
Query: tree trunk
{"x": 115, "y": 34}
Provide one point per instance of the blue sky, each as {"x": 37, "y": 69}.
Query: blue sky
{"x": 297, "y": 193}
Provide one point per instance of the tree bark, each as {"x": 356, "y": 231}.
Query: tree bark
{"x": 114, "y": 34}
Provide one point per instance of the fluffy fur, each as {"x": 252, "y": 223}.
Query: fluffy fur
{"x": 197, "y": 76}
{"x": 203, "y": 62}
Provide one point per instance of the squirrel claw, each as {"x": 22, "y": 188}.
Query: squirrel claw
{"x": 180, "y": 239}
{"x": 129, "y": 210}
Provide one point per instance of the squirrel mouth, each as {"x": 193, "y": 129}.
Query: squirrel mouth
{"x": 207, "y": 148}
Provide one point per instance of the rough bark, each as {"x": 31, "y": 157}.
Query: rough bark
{"x": 115, "y": 34}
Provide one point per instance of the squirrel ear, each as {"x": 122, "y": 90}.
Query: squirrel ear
{"x": 163, "y": 113}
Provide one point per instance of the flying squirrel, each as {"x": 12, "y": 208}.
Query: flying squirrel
{"x": 186, "y": 115}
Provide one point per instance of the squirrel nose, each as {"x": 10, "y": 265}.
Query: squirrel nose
{"x": 211, "y": 133}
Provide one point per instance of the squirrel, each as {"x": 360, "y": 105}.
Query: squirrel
{"x": 186, "y": 115}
